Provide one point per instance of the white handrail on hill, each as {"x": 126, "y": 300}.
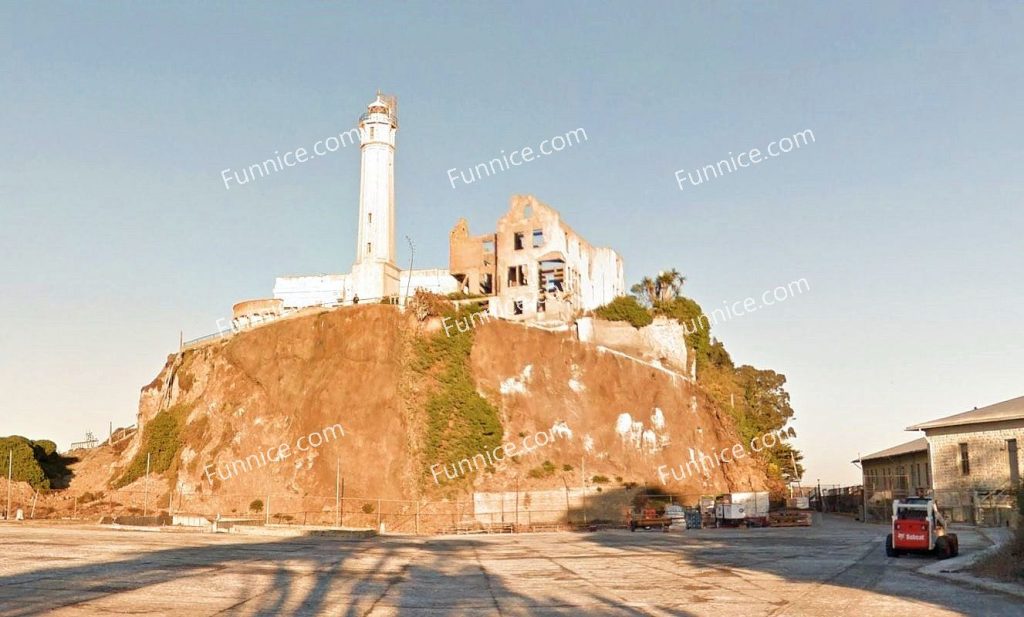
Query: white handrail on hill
{"x": 671, "y": 373}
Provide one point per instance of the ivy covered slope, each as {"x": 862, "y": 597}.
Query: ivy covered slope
{"x": 756, "y": 398}
{"x": 161, "y": 443}
{"x": 459, "y": 422}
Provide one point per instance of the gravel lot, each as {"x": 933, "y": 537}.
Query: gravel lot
{"x": 835, "y": 568}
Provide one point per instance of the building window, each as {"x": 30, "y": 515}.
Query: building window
{"x": 486, "y": 283}
{"x": 965, "y": 460}
{"x": 516, "y": 276}
{"x": 517, "y": 240}
{"x": 517, "y": 307}
{"x": 538, "y": 238}
{"x": 1011, "y": 451}
{"x": 541, "y": 307}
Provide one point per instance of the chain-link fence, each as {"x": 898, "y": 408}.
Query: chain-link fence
{"x": 495, "y": 512}
{"x": 973, "y": 506}
{"x": 985, "y": 507}
{"x": 878, "y": 494}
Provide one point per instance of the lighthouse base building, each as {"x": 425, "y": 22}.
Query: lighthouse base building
{"x": 533, "y": 267}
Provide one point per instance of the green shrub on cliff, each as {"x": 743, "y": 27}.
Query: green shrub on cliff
{"x": 25, "y": 466}
{"x": 625, "y": 308}
{"x": 161, "y": 440}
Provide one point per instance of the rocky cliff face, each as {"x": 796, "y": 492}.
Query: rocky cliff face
{"x": 243, "y": 398}
{"x": 624, "y": 418}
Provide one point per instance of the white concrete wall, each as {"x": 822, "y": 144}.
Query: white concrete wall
{"x": 302, "y": 291}
{"x": 434, "y": 280}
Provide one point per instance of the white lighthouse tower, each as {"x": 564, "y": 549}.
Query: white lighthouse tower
{"x": 374, "y": 274}
{"x": 375, "y": 277}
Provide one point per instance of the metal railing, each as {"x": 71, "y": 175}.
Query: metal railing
{"x": 391, "y": 300}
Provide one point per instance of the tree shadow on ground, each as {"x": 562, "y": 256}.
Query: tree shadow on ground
{"x": 294, "y": 576}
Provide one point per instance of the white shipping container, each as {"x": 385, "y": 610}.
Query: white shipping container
{"x": 744, "y": 505}
{"x": 730, "y": 511}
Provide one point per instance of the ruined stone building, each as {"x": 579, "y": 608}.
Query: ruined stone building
{"x": 534, "y": 266}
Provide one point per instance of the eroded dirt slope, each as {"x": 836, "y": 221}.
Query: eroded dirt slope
{"x": 274, "y": 384}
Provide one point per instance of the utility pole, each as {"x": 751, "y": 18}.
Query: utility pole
{"x": 412, "y": 252}
{"x": 145, "y": 506}
{"x": 863, "y": 490}
{"x": 10, "y": 467}
{"x": 517, "y": 503}
{"x": 583, "y": 483}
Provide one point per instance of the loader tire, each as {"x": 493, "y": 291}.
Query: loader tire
{"x": 890, "y": 550}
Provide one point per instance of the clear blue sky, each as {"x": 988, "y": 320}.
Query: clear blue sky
{"x": 904, "y": 216}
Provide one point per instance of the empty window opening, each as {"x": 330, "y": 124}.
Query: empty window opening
{"x": 965, "y": 460}
{"x": 517, "y": 307}
{"x": 487, "y": 283}
{"x": 488, "y": 245}
{"x": 1011, "y": 451}
{"x": 517, "y": 240}
{"x": 552, "y": 275}
{"x": 541, "y": 306}
{"x": 538, "y": 238}
{"x": 516, "y": 276}
{"x": 463, "y": 281}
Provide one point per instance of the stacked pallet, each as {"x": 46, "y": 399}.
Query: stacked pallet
{"x": 790, "y": 518}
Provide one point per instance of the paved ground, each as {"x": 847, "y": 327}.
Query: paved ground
{"x": 835, "y": 568}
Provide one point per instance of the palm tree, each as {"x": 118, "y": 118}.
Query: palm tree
{"x": 645, "y": 290}
{"x": 668, "y": 285}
